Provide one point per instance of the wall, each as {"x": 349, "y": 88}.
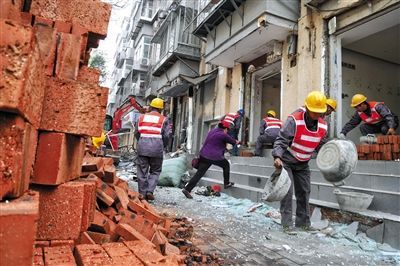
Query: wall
{"x": 234, "y": 91}
{"x": 307, "y": 75}
{"x": 376, "y": 79}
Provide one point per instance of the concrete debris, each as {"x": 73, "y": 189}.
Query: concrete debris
{"x": 316, "y": 220}
{"x": 286, "y": 247}
{"x": 253, "y": 208}
{"x": 352, "y": 228}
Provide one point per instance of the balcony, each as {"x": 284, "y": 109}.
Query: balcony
{"x": 141, "y": 65}
{"x": 241, "y": 31}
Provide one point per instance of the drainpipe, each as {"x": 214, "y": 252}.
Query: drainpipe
{"x": 241, "y": 105}
{"x": 190, "y": 122}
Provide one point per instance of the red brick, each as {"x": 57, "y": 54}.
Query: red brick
{"x": 100, "y": 223}
{"x": 58, "y": 158}
{"x": 18, "y": 141}
{"x": 18, "y": 224}
{"x": 26, "y": 18}
{"x": 47, "y": 40}
{"x": 110, "y": 212}
{"x": 159, "y": 240}
{"x": 89, "y": 75}
{"x": 98, "y": 174}
{"x": 105, "y": 193}
{"x": 120, "y": 254}
{"x": 129, "y": 233}
{"x": 122, "y": 196}
{"x": 89, "y": 202}
{"x": 42, "y": 243}
{"x": 10, "y": 10}
{"x": 109, "y": 174}
{"x": 380, "y": 140}
{"x": 61, "y": 255}
{"x": 92, "y": 164}
{"x": 68, "y": 243}
{"x": 74, "y": 107}
{"x": 144, "y": 251}
{"x": 38, "y": 259}
{"x": 85, "y": 239}
{"x": 155, "y": 218}
{"x": 43, "y": 21}
{"x": 22, "y": 79}
{"x": 63, "y": 26}
{"x": 99, "y": 238}
{"x": 122, "y": 184}
{"x": 93, "y": 15}
{"x": 91, "y": 255}
{"x": 68, "y": 56}
{"x": 83, "y": 32}
{"x": 396, "y": 148}
{"x": 60, "y": 212}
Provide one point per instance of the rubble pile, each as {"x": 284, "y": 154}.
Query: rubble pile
{"x": 387, "y": 148}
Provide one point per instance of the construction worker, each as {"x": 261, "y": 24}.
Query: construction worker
{"x": 269, "y": 130}
{"x": 235, "y": 120}
{"x": 330, "y": 106}
{"x": 376, "y": 116}
{"x": 302, "y": 134}
{"x": 151, "y": 133}
{"x": 211, "y": 153}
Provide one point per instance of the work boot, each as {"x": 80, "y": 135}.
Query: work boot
{"x": 230, "y": 184}
{"x": 149, "y": 196}
{"x": 187, "y": 194}
{"x": 308, "y": 229}
{"x": 290, "y": 230}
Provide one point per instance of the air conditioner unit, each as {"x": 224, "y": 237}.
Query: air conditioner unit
{"x": 144, "y": 62}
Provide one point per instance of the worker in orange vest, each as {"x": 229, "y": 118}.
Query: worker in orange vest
{"x": 235, "y": 120}
{"x": 269, "y": 130}
{"x": 302, "y": 134}
{"x": 152, "y": 134}
{"x": 376, "y": 116}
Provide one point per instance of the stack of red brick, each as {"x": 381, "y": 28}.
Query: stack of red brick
{"x": 85, "y": 229}
{"x": 387, "y": 149}
{"x": 49, "y": 102}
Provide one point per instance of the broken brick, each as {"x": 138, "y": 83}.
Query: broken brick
{"x": 58, "y": 159}
{"x": 109, "y": 174}
{"x": 129, "y": 233}
{"x": 81, "y": 110}
{"x": 16, "y": 167}
{"x": 85, "y": 239}
{"x": 22, "y": 79}
{"x": 92, "y": 164}
{"x": 99, "y": 238}
{"x": 155, "y": 218}
{"x": 18, "y": 224}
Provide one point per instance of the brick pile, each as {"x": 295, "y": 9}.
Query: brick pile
{"x": 49, "y": 103}
{"x": 387, "y": 148}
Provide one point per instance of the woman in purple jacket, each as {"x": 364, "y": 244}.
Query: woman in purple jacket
{"x": 212, "y": 152}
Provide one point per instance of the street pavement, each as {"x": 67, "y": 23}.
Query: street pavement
{"x": 223, "y": 226}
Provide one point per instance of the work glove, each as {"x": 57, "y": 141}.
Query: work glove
{"x": 342, "y": 136}
{"x": 391, "y": 131}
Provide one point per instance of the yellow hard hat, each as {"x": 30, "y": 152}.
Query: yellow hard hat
{"x": 316, "y": 102}
{"x": 357, "y": 99}
{"x": 271, "y": 113}
{"x": 332, "y": 103}
{"x": 157, "y": 103}
{"x": 98, "y": 141}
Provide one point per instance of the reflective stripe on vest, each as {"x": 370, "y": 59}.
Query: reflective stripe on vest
{"x": 272, "y": 123}
{"x": 305, "y": 141}
{"x": 150, "y": 125}
{"x": 375, "y": 116}
{"x": 230, "y": 118}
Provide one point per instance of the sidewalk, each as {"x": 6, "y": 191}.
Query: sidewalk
{"x": 223, "y": 226}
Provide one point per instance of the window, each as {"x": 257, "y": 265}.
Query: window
{"x": 146, "y": 46}
{"x": 147, "y": 9}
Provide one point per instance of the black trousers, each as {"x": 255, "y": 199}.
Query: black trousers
{"x": 377, "y": 128}
{"x": 204, "y": 164}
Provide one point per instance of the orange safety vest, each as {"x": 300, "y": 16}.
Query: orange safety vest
{"x": 375, "y": 116}
{"x": 272, "y": 123}
{"x": 230, "y": 118}
{"x": 305, "y": 141}
{"x": 150, "y": 125}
